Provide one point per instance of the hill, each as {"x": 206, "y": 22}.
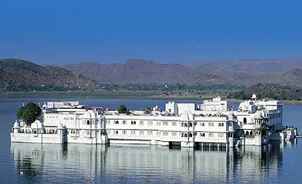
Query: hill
{"x": 240, "y": 73}
{"x": 141, "y": 72}
{"x": 21, "y": 75}
{"x": 134, "y": 71}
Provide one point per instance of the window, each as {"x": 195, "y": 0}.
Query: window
{"x": 124, "y": 122}
{"x": 141, "y": 122}
{"x": 202, "y": 124}
{"x": 124, "y": 132}
{"x": 150, "y": 123}
{"x": 211, "y": 124}
{"x": 116, "y": 132}
{"x": 158, "y": 133}
{"x": 165, "y": 133}
{"x": 141, "y": 132}
{"x": 88, "y": 122}
{"x": 133, "y": 132}
{"x": 116, "y": 122}
{"x": 244, "y": 121}
{"x": 165, "y": 123}
{"x": 158, "y": 123}
{"x": 221, "y": 124}
{"x": 133, "y": 122}
{"x": 202, "y": 134}
{"x": 174, "y": 134}
{"x": 174, "y": 123}
{"x": 211, "y": 134}
{"x": 150, "y": 132}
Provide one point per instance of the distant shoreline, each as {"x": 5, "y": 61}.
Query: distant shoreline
{"x": 152, "y": 95}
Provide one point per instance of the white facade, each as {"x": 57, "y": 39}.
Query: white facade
{"x": 216, "y": 104}
{"x": 183, "y": 124}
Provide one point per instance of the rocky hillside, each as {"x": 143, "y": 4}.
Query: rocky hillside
{"x": 20, "y": 75}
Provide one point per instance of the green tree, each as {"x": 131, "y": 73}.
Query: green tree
{"x": 148, "y": 110}
{"x": 29, "y": 113}
{"x": 122, "y": 109}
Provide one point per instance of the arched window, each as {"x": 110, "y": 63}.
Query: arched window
{"x": 88, "y": 122}
{"x": 244, "y": 120}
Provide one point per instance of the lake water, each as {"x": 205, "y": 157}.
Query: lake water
{"x": 35, "y": 163}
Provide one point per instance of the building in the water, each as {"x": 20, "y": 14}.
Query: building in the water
{"x": 211, "y": 123}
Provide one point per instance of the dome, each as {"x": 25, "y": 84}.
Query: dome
{"x": 36, "y": 124}
{"x": 16, "y": 124}
{"x": 254, "y": 97}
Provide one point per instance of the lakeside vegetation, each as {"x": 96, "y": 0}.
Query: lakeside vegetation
{"x": 269, "y": 91}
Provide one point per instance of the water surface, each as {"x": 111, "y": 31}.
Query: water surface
{"x": 51, "y": 163}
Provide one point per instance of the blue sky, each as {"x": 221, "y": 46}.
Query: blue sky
{"x": 62, "y": 31}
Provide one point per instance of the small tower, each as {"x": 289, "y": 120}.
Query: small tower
{"x": 16, "y": 126}
{"x": 254, "y": 97}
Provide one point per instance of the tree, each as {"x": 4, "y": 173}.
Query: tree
{"x": 29, "y": 113}
{"x": 148, "y": 110}
{"x": 122, "y": 109}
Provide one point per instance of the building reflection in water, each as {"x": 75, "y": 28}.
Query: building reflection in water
{"x": 147, "y": 164}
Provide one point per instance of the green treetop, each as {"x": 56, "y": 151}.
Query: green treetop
{"x": 29, "y": 113}
{"x": 122, "y": 109}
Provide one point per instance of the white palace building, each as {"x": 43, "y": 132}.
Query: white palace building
{"x": 254, "y": 122}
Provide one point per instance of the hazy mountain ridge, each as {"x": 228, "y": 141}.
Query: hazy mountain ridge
{"x": 21, "y": 75}
{"x": 244, "y": 73}
{"x": 134, "y": 71}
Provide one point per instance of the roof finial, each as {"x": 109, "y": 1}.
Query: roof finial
{"x": 254, "y": 97}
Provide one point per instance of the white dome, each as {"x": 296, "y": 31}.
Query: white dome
{"x": 254, "y": 96}
{"x": 16, "y": 124}
{"x": 36, "y": 124}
